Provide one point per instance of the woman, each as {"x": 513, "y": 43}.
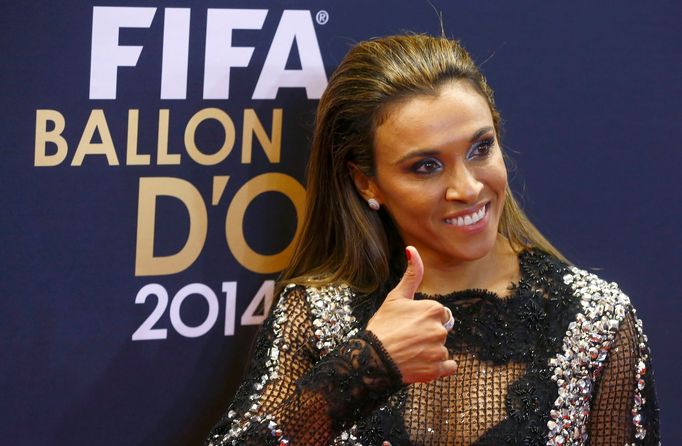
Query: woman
{"x": 421, "y": 305}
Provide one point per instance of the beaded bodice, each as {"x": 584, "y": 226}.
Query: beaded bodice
{"x": 561, "y": 360}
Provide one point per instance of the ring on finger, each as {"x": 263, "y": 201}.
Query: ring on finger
{"x": 450, "y": 323}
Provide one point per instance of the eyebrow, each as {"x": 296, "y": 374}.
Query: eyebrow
{"x": 419, "y": 153}
{"x": 431, "y": 152}
{"x": 481, "y": 132}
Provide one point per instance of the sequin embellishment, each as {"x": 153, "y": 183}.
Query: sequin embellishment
{"x": 332, "y": 316}
{"x": 567, "y": 328}
{"x": 640, "y": 431}
{"x": 240, "y": 425}
{"x": 585, "y": 349}
{"x": 333, "y": 319}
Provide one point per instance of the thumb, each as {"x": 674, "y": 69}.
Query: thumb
{"x": 413, "y": 275}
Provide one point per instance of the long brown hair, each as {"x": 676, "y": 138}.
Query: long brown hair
{"x": 341, "y": 239}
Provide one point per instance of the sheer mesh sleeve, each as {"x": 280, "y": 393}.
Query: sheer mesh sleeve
{"x": 624, "y": 409}
{"x": 292, "y": 395}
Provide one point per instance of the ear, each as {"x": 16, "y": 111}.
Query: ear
{"x": 363, "y": 184}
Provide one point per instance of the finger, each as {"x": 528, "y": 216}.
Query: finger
{"x": 448, "y": 368}
{"x": 437, "y": 354}
{"x": 413, "y": 275}
{"x": 449, "y": 323}
{"x": 447, "y": 315}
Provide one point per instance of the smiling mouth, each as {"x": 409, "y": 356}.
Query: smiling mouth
{"x": 469, "y": 219}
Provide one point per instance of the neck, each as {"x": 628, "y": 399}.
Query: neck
{"x": 495, "y": 272}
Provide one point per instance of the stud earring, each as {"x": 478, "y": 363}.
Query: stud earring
{"x": 373, "y": 204}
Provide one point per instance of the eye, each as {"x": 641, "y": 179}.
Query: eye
{"x": 427, "y": 166}
{"x": 481, "y": 149}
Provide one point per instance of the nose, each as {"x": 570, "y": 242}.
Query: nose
{"x": 463, "y": 185}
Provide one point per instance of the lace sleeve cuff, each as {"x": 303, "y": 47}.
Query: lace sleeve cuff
{"x": 354, "y": 379}
{"x": 391, "y": 366}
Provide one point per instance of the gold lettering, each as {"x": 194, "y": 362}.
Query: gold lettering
{"x": 43, "y": 136}
{"x": 219, "y": 184}
{"x": 271, "y": 146}
{"x": 162, "y": 155}
{"x": 146, "y": 264}
{"x": 96, "y": 122}
{"x": 132, "y": 157}
{"x": 234, "y": 229}
{"x": 190, "y": 141}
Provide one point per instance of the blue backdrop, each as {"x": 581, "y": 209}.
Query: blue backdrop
{"x": 153, "y": 157}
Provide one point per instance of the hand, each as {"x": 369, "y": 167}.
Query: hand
{"x": 412, "y": 332}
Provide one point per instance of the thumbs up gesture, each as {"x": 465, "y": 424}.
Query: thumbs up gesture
{"x": 412, "y": 332}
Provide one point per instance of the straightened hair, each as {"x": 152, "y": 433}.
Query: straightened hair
{"x": 341, "y": 239}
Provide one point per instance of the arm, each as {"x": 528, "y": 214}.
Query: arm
{"x": 291, "y": 394}
{"x": 623, "y": 402}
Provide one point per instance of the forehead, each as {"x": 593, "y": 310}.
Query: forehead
{"x": 433, "y": 121}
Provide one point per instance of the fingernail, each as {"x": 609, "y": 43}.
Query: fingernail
{"x": 408, "y": 254}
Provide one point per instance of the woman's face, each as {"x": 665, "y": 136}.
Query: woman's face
{"x": 440, "y": 174}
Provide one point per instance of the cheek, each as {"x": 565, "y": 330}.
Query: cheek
{"x": 499, "y": 186}
{"x": 395, "y": 191}
{"x": 502, "y": 180}
{"x": 496, "y": 176}
{"x": 408, "y": 202}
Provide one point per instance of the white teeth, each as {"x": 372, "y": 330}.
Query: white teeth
{"x": 479, "y": 215}
{"x": 467, "y": 219}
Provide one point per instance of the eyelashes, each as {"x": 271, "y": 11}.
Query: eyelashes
{"x": 427, "y": 166}
{"x": 481, "y": 149}
{"x": 431, "y": 164}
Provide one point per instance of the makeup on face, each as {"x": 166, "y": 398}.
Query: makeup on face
{"x": 440, "y": 173}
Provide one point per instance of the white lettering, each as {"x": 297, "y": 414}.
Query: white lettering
{"x": 221, "y": 56}
{"x": 106, "y": 54}
{"x": 212, "y": 316}
{"x": 175, "y": 53}
{"x": 294, "y": 26}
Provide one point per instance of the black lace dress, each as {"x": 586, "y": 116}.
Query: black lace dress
{"x": 562, "y": 360}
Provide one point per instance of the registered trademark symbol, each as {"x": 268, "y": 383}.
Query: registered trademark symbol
{"x": 322, "y": 17}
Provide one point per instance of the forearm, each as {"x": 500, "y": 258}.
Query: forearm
{"x": 351, "y": 381}
{"x": 625, "y": 410}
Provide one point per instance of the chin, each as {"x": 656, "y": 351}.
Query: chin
{"x": 475, "y": 251}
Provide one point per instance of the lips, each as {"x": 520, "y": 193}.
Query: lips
{"x": 468, "y": 219}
